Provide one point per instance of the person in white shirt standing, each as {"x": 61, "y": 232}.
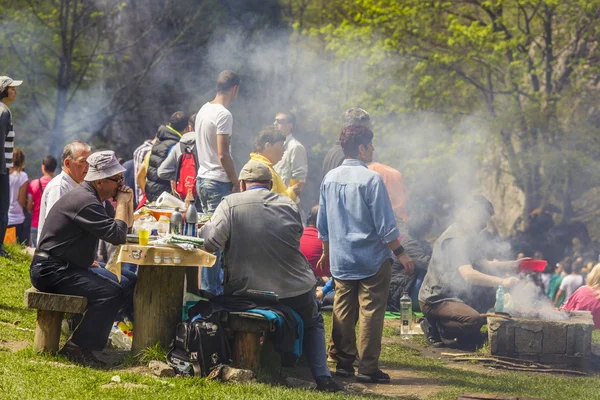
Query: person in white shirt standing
{"x": 570, "y": 283}
{"x": 293, "y": 167}
{"x": 216, "y": 172}
{"x": 74, "y": 168}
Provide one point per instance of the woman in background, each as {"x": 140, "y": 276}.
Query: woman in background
{"x": 587, "y": 298}
{"x": 18, "y": 195}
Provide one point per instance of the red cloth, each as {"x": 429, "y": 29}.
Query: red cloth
{"x": 312, "y": 248}
{"x": 35, "y": 191}
{"x": 584, "y": 299}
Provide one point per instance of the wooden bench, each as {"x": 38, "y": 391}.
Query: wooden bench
{"x": 50, "y": 309}
{"x": 247, "y": 329}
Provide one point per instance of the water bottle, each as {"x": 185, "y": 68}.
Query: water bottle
{"x": 406, "y": 315}
{"x": 191, "y": 220}
{"x": 499, "y": 306}
{"x": 176, "y": 223}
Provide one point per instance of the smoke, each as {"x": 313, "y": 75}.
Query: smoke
{"x": 527, "y": 300}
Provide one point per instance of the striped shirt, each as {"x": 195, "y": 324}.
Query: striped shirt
{"x": 7, "y": 138}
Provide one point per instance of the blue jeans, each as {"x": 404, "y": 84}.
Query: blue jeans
{"x": 211, "y": 193}
{"x": 314, "y": 332}
{"x": 34, "y": 234}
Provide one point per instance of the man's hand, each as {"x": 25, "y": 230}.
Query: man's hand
{"x": 518, "y": 262}
{"x": 95, "y": 264}
{"x": 297, "y": 188}
{"x": 323, "y": 262}
{"x": 124, "y": 195}
{"x": 409, "y": 265}
{"x": 510, "y": 282}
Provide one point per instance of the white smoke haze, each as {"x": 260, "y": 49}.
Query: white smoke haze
{"x": 528, "y": 301}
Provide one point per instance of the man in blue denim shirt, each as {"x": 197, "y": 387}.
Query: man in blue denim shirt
{"x": 357, "y": 223}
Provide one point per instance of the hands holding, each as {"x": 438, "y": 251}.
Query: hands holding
{"x": 408, "y": 263}
{"x": 124, "y": 195}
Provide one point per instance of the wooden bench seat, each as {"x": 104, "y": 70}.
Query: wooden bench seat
{"x": 247, "y": 329}
{"x": 50, "y": 309}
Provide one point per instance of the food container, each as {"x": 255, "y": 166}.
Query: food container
{"x": 533, "y": 265}
{"x": 159, "y": 212}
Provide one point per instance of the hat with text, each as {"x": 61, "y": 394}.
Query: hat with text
{"x": 103, "y": 164}
{"x": 255, "y": 171}
{"x": 7, "y": 81}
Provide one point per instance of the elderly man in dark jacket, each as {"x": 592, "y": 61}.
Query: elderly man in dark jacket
{"x": 67, "y": 247}
{"x": 166, "y": 137}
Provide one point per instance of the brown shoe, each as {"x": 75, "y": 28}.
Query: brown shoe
{"x": 81, "y": 356}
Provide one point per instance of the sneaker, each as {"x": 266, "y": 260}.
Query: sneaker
{"x": 4, "y": 254}
{"x": 327, "y": 384}
{"x": 81, "y": 356}
{"x": 432, "y": 336}
{"x": 377, "y": 377}
{"x": 344, "y": 372}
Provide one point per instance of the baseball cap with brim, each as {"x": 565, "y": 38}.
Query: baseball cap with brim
{"x": 255, "y": 171}
{"x": 102, "y": 165}
{"x": 7, "y": 81}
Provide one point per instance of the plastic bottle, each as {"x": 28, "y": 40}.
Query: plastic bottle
{"x": 191, "y": 220}
{"x": 176, "y": 222}
{"x": 499, "y": 306}
{"x": 406, "y": 315}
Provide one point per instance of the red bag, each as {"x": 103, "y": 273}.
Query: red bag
{"x": 187, "y": 170}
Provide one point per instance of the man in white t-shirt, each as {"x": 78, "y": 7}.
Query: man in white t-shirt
{"x": 216, "y": 172}
{"x": 74, "y": 168}
{"x": 571, "y": 282}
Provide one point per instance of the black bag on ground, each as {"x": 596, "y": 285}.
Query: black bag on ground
{"x": 200, "y": 345}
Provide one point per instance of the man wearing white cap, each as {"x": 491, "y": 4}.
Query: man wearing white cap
{"x": 61, "y": 263}
{"x": 8, "y": 93}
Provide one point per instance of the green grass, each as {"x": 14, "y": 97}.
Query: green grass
{"x": 27, "y": 375}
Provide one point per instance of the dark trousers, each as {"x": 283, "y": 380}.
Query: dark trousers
{"x": 455, "y": 320}
{"x": 314, "y": 331}
{"x": 127, "y": 283}
{"x": 104, "y": 297}
{"x": 4, "y": 204}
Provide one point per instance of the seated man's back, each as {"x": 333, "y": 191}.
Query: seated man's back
{"x": 265, "y": 230}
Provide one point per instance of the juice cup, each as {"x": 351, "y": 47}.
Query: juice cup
{"x": 143, "y": 236}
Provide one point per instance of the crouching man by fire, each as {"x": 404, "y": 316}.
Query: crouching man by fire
{"x": 451, "y": 277}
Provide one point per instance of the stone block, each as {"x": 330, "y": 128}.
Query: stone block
{"x": 528, "y": 357}
{"x": 161, "y": 369}
{"x": 528, "y": 339}
{"x": 501, "y": 336}
{"x": 579, "y": 340}
{"x": 554, "y": 338}
{"x": 564, "y": 361}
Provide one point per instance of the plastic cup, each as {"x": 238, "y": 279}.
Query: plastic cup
{"x": 143, "y": 236}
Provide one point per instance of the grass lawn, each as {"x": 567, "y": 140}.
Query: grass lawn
{"x": 27, "y": 375}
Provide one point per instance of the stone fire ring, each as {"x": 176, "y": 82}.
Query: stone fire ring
{"x": 561, "y": 344}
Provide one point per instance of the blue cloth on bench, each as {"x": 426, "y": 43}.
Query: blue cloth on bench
{"x": 271, "y": 315}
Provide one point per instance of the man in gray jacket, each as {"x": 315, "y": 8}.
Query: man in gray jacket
{"x": 260, "y": 232}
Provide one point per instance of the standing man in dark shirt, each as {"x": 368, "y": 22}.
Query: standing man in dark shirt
{"x": 451, "y": 276}
{"x": 66, "y": 250}
{"x": 335, "y": 156}
{"x": 8, "y": 93}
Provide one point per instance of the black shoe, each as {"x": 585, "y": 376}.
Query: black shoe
{"x": 4, "y": 254}
{"x": 81, "y": 356}
{"x": 377, "y": 377}
{"x": 344, "y": 372}
{"x": 432, "y": 336}
{"x": 327, "y": 384}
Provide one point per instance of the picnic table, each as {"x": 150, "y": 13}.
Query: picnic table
{"x": 158, "y": 295}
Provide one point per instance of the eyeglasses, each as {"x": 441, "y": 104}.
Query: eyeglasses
{"x": 120, "y": 179}
{"x": 281, "y": 120}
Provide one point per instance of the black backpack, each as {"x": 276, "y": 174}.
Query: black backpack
{"x": 199, "y": 347}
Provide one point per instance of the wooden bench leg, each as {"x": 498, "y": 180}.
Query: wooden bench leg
{"x": 246, "y": 350}
{"x": 47, "y": 331}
